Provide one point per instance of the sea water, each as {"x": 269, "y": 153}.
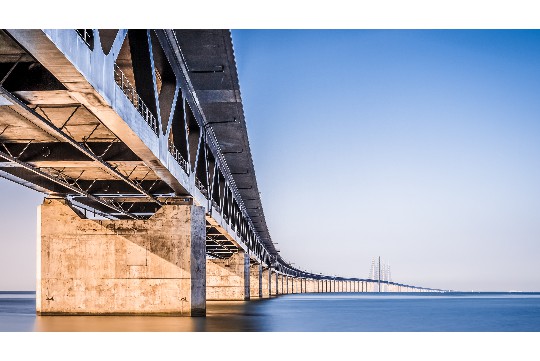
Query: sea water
{"x": 316, "y": 312}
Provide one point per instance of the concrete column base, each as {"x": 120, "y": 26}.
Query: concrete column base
{"x": 97, "y": 267}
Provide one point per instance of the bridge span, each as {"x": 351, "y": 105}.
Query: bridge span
{"x": 138, "y": 139}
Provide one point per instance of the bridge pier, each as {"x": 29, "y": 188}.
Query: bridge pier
{"x": 228, "y": 279}
{"x": 255, "y": 281}
{"x": 247, "y": 276}
{"x": 153, "y": 266}
{"x": 264, "y": 283}
{"x": 269, "y": 282}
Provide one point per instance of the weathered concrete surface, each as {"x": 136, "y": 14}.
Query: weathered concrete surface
{"x": 311, "y": 286}
{"x": 247, "y": 275}
{"x": 225, "y": 278}
{"x": 254, "y": 281}
{"x": 265, "y": 283}
{"x": 273, "y": 283}
{"x": 153, "y": 266}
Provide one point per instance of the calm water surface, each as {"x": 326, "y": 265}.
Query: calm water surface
{"x": 350, "y": 312}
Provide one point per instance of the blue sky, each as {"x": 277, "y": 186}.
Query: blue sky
{"x": 421, "y": 147}
{"x": 418, "y": 146}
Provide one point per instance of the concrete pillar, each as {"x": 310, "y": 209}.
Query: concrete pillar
{"x": 226, "y": 278}
{"x": 260, "y": 281}
{"x": 265, "y": 284}
{"x": 153, "y": 266}
{"x": 254, "y": 279}
{"x": 277, "y": 284}
{"x": 247, "y": 276}
{"x": 273, "y": 290}
{"x": 269, "y": 281}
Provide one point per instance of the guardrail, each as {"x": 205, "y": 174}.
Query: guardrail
{"x": 134, "y": 98}
{"x": 216, "y": 206}
{"x": 201, "y": 187}
{"x": 178, "y": 157}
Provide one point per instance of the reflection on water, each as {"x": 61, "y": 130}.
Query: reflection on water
{"x": 221, "y": 316}
{"x": 337, "y": 312}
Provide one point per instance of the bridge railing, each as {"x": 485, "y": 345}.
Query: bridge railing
{"x": 178, "y": 157}
{"x": 216, "y": 206}
{"x": 201, "y": 187}
{"x": 134, "y": 98}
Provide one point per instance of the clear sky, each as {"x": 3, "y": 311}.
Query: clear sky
{"x": 422, "y": 147}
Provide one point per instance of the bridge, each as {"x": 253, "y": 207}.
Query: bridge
{"x": 139, "y": 142}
